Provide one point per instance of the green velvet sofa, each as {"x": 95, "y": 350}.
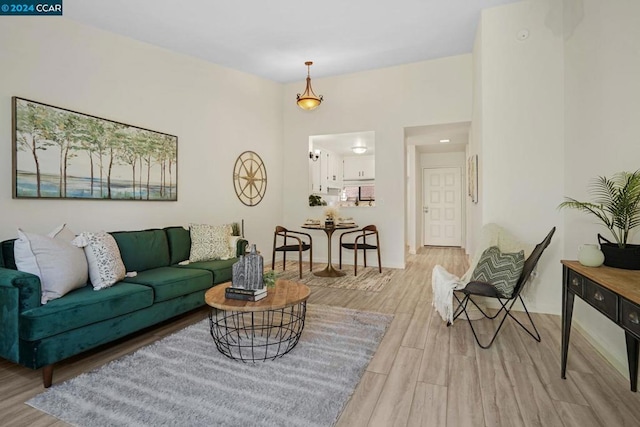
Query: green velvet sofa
{"x": 37, "y": 336}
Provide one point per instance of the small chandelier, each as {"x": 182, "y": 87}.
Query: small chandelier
{"x": 308, "y": 100}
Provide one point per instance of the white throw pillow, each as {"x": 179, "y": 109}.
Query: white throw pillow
{"x": 60, "y": 266}
{"x": 210, "y": 242}
{"x": 103, "y": 256}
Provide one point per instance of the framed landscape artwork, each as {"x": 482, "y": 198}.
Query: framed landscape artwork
{"x": 472, "y": 178}
{"x": 63, "y": 154}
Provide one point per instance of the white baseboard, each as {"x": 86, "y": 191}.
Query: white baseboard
{"x": 620, "y": 365}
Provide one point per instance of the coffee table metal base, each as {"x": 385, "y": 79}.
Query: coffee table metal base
{"x": 257, "y": 336}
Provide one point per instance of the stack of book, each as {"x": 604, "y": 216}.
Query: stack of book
{"x": 245, "y": 294}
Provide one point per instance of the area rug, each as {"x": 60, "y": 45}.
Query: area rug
{"x": 182, "y": 380}
{"x": 368, "y": 278}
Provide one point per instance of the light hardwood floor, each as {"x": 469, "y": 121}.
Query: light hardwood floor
{"x": 423, "y": 374}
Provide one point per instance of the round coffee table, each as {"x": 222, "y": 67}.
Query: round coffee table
{"x": 261, "y": 330}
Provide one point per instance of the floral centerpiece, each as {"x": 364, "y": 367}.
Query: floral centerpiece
{"x": 330, "y": 214}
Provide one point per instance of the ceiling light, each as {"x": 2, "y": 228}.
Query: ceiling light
{"x": 444, "y": 140}
{"x": 308, "y": 100}
{"x": 359, "y": 150}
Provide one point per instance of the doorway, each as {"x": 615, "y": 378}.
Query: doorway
{"x": 442, "y": 206}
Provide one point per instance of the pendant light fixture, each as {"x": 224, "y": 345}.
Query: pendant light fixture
{"x": 308, "y": 100}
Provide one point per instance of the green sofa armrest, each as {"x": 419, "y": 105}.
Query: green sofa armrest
{"x": 241, "y": 247}
{"x": 19, "y": 291}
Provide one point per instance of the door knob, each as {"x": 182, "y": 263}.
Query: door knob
{"x": 426, "y": 209}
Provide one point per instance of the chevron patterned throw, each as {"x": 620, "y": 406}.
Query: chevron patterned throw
{"x": 501, "y": 270}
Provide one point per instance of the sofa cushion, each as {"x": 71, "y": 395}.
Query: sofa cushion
{"x": 83, "y": 307}
{"x": 170, "y": 282}
{"x": 179, "y": 244}
{"x": 221, "y": 269}
{"x": 143, "y": 250}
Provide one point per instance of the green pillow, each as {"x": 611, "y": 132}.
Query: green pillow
{"x": 501, "y": 270}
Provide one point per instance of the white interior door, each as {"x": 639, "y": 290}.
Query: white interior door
{"x": 442, "y": 207}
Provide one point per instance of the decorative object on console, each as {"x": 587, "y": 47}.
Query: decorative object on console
{"x": 247, "y": 272}
{"x": 308, "y": 100}
{"x": 250, "y": 178}
{"x": 617, "y": 205}
{"x": 85, "y": 143}
{"x": 60, "y": 266}
{"x": 590, "y": 256}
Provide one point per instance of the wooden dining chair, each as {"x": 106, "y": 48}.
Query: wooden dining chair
{"x": 291, "y": 241}
{"x": 360, "y": 243}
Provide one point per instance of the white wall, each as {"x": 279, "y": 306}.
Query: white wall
{"x": 602, "y": 107}
{"x": 522, "y": 133}
{"x": 385, "y": 101}
{"x": 474, "y": 220}
{"x": 217, "y": 113}
{"x": 411, "y": 199}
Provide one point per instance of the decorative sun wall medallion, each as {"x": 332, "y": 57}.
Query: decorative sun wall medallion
{"x": 250, "y": 178}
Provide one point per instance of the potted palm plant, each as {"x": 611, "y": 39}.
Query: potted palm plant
{"x": 616, "y": 203}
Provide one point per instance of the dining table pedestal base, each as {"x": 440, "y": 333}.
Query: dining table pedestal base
{"x": 329, "y": 271}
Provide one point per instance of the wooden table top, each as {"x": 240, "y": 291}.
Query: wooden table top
{"x": 625, "y": 283}
{"x": 285, "y": 294}
{"x": 322, "y": 227}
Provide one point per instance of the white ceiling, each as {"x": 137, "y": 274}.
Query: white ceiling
{"x": 342, "y": 143}
{"x": 274, "y": 38}
{"x": 427, "y": 138}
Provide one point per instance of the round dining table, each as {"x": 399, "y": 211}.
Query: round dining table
{"x": 329, "y": 270}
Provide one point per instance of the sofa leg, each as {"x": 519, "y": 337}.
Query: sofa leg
{"x": 47, "y": 376}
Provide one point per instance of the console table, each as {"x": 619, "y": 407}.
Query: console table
{"x": 613, "y": 292}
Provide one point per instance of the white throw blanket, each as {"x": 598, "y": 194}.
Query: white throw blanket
{"x": 444, "y": 283}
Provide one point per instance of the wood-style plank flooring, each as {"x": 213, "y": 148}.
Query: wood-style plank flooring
{"x": 423, "y": 374}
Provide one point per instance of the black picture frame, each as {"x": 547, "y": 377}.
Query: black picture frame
{"x": 63, "y": 154}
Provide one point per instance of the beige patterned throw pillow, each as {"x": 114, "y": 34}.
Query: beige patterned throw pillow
{"x": 209, "y": 242}
{"x": 103, "y": 256}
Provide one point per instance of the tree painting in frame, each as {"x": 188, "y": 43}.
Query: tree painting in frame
{"x": 472, "y": 177}
{"x": 63, "y": 154}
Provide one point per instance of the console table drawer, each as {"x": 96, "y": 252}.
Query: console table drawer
{"x": 630, "y": 316}
{"x": 602, "y": 299}
{"x": 576, "y": 283}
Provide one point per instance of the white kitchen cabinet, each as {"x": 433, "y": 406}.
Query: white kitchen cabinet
{"x": 316, "y": 179}
{"x": 359, "y": 168}
{"x": 334, "y": 170}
